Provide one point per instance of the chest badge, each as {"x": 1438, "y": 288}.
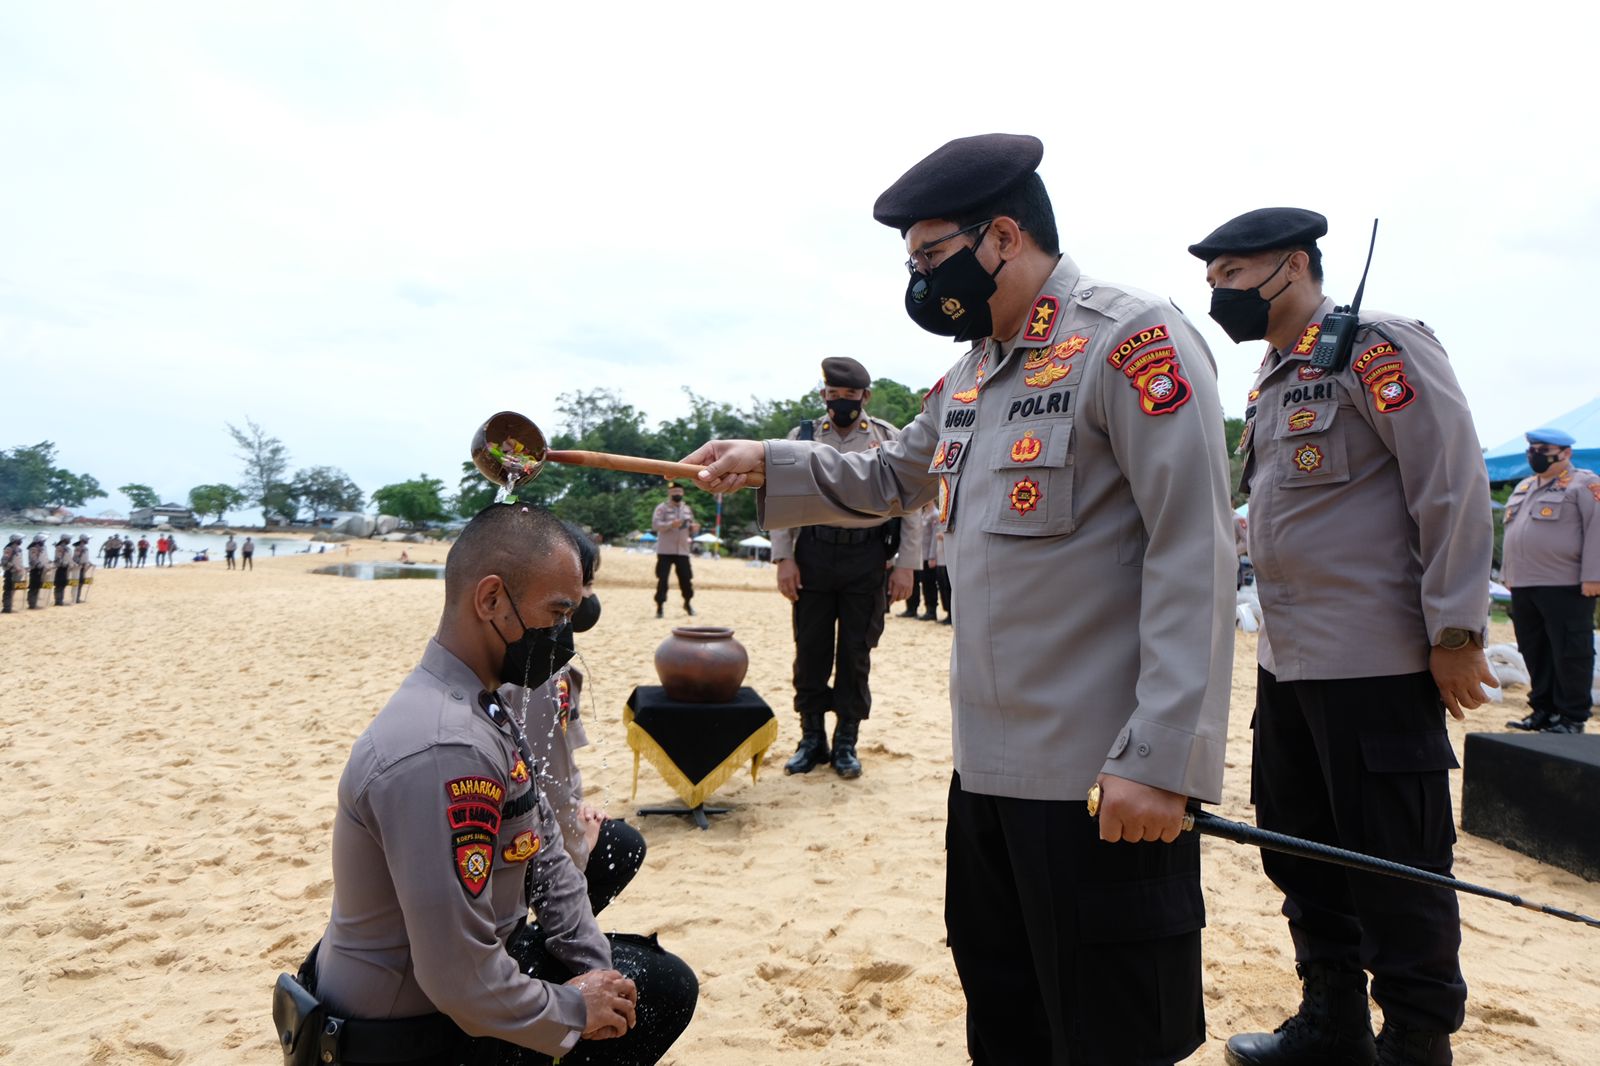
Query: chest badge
{"x": 1308, "y": 458}
{"x": 523, "y": 846}
{"x": 1026, "y": 448}
{"x": 1302, "y": 419}
{"x": 968, "y": 395}
{"x": 1546, "y": 512}
{"x": 1025, "y": 496}
{"x": 1049, "y": 365}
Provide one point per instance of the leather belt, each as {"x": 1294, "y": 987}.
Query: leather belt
{"x": 838, "y": 535}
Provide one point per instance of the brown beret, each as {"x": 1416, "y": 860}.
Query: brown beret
{"x": 961, "y": 176}
{"x": 842, "y": 372}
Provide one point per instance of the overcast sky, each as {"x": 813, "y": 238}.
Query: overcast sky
{"x": 369, "y": 226}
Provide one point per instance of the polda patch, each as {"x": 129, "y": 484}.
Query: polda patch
{"x": 1025, "y": 495}
{"x": 1391, "y": 391}
{"x": 1371, "y": 355}
{"x": 1143, "y": 339}
{"x": 1162, "y": 388}
{"x": 523, "y": 846}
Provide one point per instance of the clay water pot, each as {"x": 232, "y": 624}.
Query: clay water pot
{"x": 701, "y": 664}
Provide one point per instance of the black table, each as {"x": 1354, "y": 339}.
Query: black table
{"x": 697, "y": 747}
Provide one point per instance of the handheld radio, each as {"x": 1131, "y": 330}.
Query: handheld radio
{"x": 1338, "y": 336}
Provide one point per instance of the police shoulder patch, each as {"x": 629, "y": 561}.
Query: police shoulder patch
{"x": 1042, "y": 319}
{"x": 1390, "y": 390}
{"x": 472, "y": 857}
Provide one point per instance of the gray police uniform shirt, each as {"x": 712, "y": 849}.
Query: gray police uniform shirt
{"x": 671, "y": 539}
{"x": 63, "y": 557}
{"x": 37, "y": 557}
{"x": 1370, "y": 530}
{"x": 437, "y": 824}
{"x": 13, "y": 560}
{"x": 868, "y": 433}
{"x": 1553, "y": 531}
{"x": 1080, "y": 477}
{"x": 80, "y": 556}
{"x": 555, "y": 733}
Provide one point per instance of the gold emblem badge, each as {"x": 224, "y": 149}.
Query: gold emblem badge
{"x": 1026, "y": 449}
{"x": 1025, "y": 496}
{"x": 952, "y": 307}
{"x": 1308, "y": 458}
{"x": 1304, "y": 418}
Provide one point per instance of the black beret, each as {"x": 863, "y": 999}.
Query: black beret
{"x": 1261, "y": 230}
{"x": 966, "y": 173}
{"x": 842, "y": 372}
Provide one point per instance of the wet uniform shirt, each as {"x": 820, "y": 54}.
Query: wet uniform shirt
{"x": 1080, "y": 479}
{"x": 1553, "y": 531}
{"x": 555, "y": 733}
{"x": 1370, "y": 529}
{"x": 670, "y": 539}
{"x": 437, "y": 826}
{"x": 868, "y": 433}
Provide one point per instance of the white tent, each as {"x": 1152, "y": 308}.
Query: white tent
{"x": 756, "y": 541}
{"x": 708, "y": 538}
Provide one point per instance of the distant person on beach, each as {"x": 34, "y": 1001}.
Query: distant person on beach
{"x": 63, "y": 565}
{"x": 247, "y": 553}
{"x": 81, "y": 565}
{"x": 228, "y": 549}
{"x": 144, "y": 548}
{"x": 442, "y": 840}
{"x": 110, "y": 550}
{"x": 13, "y": 570}
{"x": 405, "y": 557}
{"x": 127, "y": 552}
{"x": 1084, "y": 502}
{"x": 161, "y": 550}
{"x": 674, "y": 525}
{"x": 840, "y": 579}
{"x": 37, "y": 561}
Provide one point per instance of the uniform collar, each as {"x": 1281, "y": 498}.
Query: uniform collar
{"x": 450, "y": 671}
{"x": 1049, "y": 307}
{"x": 1300, "y": 350}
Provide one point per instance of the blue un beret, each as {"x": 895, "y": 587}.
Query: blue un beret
{"x": 1261, "y": 230}
{"x": 965, "y": 174}
{"x": 1559, "y": 438}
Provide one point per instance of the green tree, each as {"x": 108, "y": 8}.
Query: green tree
{"x": 266, "y": 462}
{"x": 894, "y": 402}
{"x": 140, "y": 495}
{"x": 1232, "y": 432}
{"x": 66, "y": 489}
{"x": 326, "y": 488}
{"x": 216, "y": 499}
{"x": 418, "y": 501}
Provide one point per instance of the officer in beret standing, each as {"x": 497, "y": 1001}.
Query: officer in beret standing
{"x": 833, "y": 574}
{"x": 1552, "y": 567}
{"x": 1075, "y": 452}
{"x": 11, "y": 568}
{"x": 1371, "y": 538}
{"x": 674, "y": 525}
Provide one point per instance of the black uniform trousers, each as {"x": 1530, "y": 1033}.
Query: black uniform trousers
{"x": 61, "y": 585}
{"x": 10, "y": 589}
{"x": 1555, "y": 633}
{"x": 1070, "y": 949}
{"x": 35, "y": 584}
{"x": 1363, "y": 764}
{"x": 665, "y": 565}
{"x": 837, "y": 619}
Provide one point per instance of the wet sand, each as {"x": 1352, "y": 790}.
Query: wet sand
{"x": 171, "y": 751}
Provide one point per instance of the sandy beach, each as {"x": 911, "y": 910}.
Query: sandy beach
{"x": 171, "y": 750}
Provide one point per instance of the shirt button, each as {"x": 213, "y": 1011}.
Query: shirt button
{"x": 1143, "y": 749}
{"x": 455, "y": 694}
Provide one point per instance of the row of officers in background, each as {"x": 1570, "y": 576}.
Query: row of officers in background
{"x": 68, "y": 567}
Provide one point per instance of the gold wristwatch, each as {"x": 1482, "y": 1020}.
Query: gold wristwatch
{"x": 1453, "y": 639}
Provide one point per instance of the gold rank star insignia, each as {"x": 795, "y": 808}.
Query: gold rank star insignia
{"x": 1042, "y": 314}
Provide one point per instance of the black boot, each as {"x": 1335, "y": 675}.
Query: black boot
{"x": 1333, "y": 1026}
{"x": 845, "y": 763}
{"x": 1401, "y": 1045}
{"x": 1564, "y": 725}
{"x": 813, "y": 749}
{"x": 1535, "y": 721}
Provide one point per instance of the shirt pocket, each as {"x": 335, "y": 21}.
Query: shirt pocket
{"x": 1035, "y": 465}
{"x": 1313, "y": 452}
{"x": 1545, "y": 511}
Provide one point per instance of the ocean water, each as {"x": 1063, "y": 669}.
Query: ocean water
{"x": 190, "y": 541}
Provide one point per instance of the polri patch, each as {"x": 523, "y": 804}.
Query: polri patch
{"x": 1025, "y": 495}
{"x": 1043, "y": 322}
{"x": 523, "y": 846}
{"x": 1390, "y": 390}
{"x": 1142, "y": 339}
{"x": 473, "y": 856}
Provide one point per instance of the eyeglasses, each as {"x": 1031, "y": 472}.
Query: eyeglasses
{"x": 1536, "y": 450}
{"x": 919, "y": 263}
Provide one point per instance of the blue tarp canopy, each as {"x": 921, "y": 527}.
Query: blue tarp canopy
{"x": 1507, "y": 462}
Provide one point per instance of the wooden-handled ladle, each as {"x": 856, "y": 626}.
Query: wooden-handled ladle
{"x": 510, "y": 450}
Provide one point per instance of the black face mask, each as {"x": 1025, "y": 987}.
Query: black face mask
{"x": 1242, "y": 313}
{"x": 1540, "y": 462}
{"x": 844, "y": 412}
{"x": 535, "y": 656}
{"x": 676, "y": 497}
{"x": 953, "y": 300}
{"x": 587, "y": 614}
